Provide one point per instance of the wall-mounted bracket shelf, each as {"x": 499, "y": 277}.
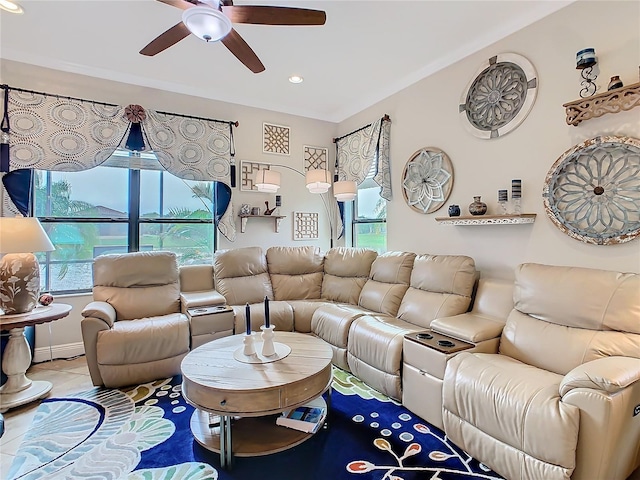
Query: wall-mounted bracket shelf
{"x": 276, "y": 218}
{"x": 613, "y": 101}
{"x": 488, "y": 219}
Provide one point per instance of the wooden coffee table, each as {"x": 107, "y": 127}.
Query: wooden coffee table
{"x": 248, "y": 396}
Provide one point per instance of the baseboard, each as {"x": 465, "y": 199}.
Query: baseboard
{"x": 68, "y": 350}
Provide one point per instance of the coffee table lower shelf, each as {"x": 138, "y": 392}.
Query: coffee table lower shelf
{"x": 252, "y": 436}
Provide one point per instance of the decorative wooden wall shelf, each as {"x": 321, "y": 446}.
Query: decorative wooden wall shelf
{"x": 614, "y": 101}
{"x": 488, "y": 219}
{"x": 277, "y": 219}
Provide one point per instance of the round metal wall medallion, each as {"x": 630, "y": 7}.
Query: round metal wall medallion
{"x": 500, "y": 96}
{"x": 427, "y": 180}
{"x": 592, "y": 192}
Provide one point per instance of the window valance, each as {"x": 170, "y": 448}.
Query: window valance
{"x": 364, "y": 150}
{"x": 48, "y": 132}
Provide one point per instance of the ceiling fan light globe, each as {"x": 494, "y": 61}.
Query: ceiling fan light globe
{"x": 206, "y": 23}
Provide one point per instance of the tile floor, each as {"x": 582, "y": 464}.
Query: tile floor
{"x": 67, "y": 376}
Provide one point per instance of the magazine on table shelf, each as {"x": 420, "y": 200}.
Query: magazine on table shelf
{"x": 306, "y": 418}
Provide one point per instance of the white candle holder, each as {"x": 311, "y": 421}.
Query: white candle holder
{"x": 268, "y": 349}
{"x": 249, "y": 347}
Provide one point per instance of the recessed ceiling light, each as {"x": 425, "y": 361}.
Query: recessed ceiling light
{"x": 292, "y": 78}
{"x": 10, "y": 6}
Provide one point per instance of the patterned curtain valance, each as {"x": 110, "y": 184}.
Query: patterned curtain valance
{"x": 356, "y": 153}
{"x": 48, "y": 132}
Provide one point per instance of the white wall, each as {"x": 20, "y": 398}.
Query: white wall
{"x": 426, "y": 114}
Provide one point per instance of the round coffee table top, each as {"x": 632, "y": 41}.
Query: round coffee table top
{"x": 213, "y": 380}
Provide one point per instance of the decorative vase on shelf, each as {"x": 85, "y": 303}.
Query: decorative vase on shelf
{"x": 477, "y": 207}
{"x": 454, "y": 210}
{"x": 614, "y": 83}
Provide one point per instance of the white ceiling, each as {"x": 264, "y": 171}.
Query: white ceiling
{"x": 366, "y": 51}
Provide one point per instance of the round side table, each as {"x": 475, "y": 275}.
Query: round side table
{"x": 19, "y": 389}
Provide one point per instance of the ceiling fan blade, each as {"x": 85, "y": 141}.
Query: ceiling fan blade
{"x": 181, "y": 4}
{"x": 166, "y": 40}
{"x": 243, "y": 52}
{"x": 268, "y": 15}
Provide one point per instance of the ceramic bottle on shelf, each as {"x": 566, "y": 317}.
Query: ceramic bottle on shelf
{"x": 477, "y": 207}
{"x": 454, "y": 210}
{"x": 614, "y": 83}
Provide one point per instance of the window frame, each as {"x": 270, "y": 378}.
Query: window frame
{"x": 133, "y": 221}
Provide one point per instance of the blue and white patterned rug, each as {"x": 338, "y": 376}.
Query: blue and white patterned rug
{"x": 143, "y": 434}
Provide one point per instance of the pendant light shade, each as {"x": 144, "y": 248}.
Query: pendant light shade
{"x": 267, "y": 181}
{"x": 345, "y": 190}
{"x": 318, "y": 181}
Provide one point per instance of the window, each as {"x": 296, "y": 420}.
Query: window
{"x": 370, "y": 215}
{"x": 128, "y": 204}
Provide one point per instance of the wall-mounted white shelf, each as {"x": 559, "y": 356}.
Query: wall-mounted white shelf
{"x": 488, "y": 219}
{"x": 276, "y": 218}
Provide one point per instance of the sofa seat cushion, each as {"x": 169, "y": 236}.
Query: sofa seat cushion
{"x": 144, "y": 340}
{"x": 303, "y": 311}
{"x": 377, "y": 341}
{"x": 280, "y": 316}
{"x": 514, "y": 403}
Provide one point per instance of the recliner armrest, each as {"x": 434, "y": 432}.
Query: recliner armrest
{"x": 610, "y": 374}
{"x": 101, "y": 310}
{"x": 469, "y": 327}
{"x": 206, "y": 298}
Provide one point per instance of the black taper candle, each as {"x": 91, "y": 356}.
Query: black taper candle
{"x": 247, "y": 314}
{"x": 266, "y": 312}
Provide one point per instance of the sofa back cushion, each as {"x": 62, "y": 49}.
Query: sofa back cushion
{"x": 240, "y": 274}
{"x": 346, "y": 270}
{"x": 388, "y": 281}
{"x": 441, "y": 286}
{"x": 138, "y": 285}
{"x": 196, "y": 278}
{"x": 296, "y": 272}
{"x": 566, "y": 316}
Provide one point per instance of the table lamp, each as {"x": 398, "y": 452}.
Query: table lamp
{"x": 19, "y": 269}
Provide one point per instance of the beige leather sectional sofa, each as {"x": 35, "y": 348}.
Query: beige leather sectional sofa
{"x": 546, "y": 383}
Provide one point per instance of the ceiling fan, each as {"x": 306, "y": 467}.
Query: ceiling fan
{"x": 211, "y": 20}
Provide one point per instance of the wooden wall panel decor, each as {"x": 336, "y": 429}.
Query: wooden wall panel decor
{"x": 499, "y": 97}
{"x": 592, "y": 192}
{"x": 248, "y": 174}
{"x": 275, "y": 139}
{"x": 315, "y": 158}
{"x": 305, "y": 225}
{"x": 427, "y": 180}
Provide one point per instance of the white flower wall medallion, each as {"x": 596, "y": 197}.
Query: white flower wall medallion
{"x": 592, "y": 192}
{"x": 499, "y": 97}
{"x": 427, "y": 180}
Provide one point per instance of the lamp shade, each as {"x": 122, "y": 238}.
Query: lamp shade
{"x": 206, "y": 23}
{"x": 345, "y": 190}
{"x": 19, "y": 269}
{"x": 318, "y": 181}
{"x": 267, "y": 181}
{"x": 23, "y": 235}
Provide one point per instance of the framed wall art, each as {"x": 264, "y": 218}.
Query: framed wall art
{"x": 592, "y": 192}
{"x": 499, "y": 97}
{"x": 275, "y": 139}
{"x": 305, "y": 225}
{"x": 427, "y": 180}
{"x": 314, "y": 158}
{"x": 248, "y": 172}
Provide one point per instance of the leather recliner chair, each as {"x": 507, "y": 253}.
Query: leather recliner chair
{"x": 561, "y": 398}
{"x": 133, "y": 331}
